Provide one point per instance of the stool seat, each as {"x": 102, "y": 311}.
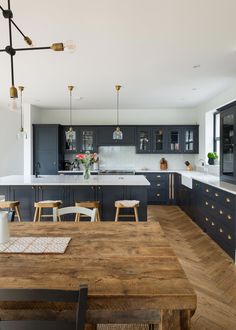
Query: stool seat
{"x": 13, "y": 205}
{"x": 127, "y": 204}
{"x": 47, "y": 204}
{"x": 89, "y": 205}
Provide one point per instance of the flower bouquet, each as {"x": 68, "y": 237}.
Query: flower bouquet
{"x": 87, "y": 160}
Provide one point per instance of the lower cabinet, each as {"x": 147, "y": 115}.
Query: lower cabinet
{"x": 69, "y": 195}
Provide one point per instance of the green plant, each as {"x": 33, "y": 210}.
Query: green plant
{"x": 212, "y": 155}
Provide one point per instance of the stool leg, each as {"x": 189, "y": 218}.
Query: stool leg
{"x": 98, "y": 216}
{"x": 59, "y": 217}
{"x": 39, "y": 214}
{"x": 117, "y": 214}
{"x": 35, "y": 214}
{"x": 136, "y": 214}
{"x": 18, "y": 213}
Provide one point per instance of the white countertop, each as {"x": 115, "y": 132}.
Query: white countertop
{"x": 74, "y": 180}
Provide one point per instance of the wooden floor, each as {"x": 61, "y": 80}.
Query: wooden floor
{"x": 209, "y": 269}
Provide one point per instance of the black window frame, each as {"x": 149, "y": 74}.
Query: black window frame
{"x": 215, "y": 138}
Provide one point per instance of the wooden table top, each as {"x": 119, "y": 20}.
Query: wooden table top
{"x": 124, "y": 264}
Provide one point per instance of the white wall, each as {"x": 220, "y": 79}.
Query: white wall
{"x": 11, "y": 149}
{"x": 108, "y": 116}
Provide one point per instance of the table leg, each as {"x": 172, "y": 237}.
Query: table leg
{"x": 91, "y": 327}
{"x": 175, "y": 320}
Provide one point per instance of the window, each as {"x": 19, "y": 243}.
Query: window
{"x": 216, "y": 129}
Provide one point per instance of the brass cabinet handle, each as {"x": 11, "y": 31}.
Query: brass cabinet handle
{"x": 158, "y": 185}
{"x": 206, "y": 218}
{"x": 99, "y": 188}
{"x": 221, "y": 230}
{"x": 158, "y": 195}
{"x": 216, "y": 194}
{"x": 221, "y": 212}
{"x": 32, "y": 187}
{"x": 213, "y": 223}
{"x": 206, "y": 203}
{"x": 40, "y": 188}
{"x": 158, "y": 176}
{"x": 229, "y": 237}
{"x": 212, "y": 206}
{"x": 228, "y": 200}
{"x": 229, "y": 217}
{"x": 207, "y": 190}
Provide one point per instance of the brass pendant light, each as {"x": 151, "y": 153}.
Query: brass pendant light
{"x": 22, "y": 133}
{"x": 70, "y": 134}
{"x": 117, "y": 134}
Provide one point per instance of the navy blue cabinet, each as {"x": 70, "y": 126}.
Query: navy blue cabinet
{"x": 47, "y": 149}
{"x": 26, "y": 195}
{"x": 143, "y": 140}
{"x": 105, "y": 136}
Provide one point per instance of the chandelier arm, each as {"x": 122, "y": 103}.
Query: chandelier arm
{"x": 1, "y": 8}
{"x": 34, "y": 48}
{"x": 18, "y": 28}
{"x": 10, "y": 40}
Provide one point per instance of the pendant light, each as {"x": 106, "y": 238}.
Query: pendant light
{"x": 22, "y": 133}
{"x": 70, "y": 134}
{"x": 117, "y": 134}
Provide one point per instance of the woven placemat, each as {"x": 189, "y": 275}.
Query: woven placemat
{"x": 35, "y": 245}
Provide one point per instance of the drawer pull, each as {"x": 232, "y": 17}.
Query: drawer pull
{"x": 158, "y": 195}
{"x": 229, "y": 217}
{"x": 229, "y": 237}
{"x": 221, "y": 230}
{"x": 158, "y": 176}
{"x": 207, "y": 190}
{"x": 213, "y": 223}
{"x": 206, "y": 203}
{"x": 206, "y": 219}
{"x": 228, "y": 200}
{"x": 212, "y": 206}
{"x": 216, "y": 194}
{"x": 158, "y": 185}
{"x": 221, "y": 212}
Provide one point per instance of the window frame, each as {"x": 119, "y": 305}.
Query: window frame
{"x": 215, "y": 138}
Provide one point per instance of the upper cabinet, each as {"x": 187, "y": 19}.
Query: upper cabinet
{"x": 87, "y": 139}
{"x": 70, "y": 139}
{"x": 167, "y": 139}
{"x": 105, "y": 136}
{"x": 228, "y": 154}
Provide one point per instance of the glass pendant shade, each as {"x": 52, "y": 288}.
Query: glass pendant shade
{"x": 14, "y": 105}
{"x": 117, "y": 134}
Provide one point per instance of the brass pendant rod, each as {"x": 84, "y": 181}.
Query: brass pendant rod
{"x": 70, "y": 108}
{"x": 117, "y": 107}
{"x": 21, "y": 112}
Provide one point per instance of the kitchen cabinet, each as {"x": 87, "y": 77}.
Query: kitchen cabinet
{"x": 47, "y": 149}
{"x": 174, "y": 139}
{"x": 143, "y": 140}
{"x": 159, "y": 140}
{"x": 26, "y": 195}
{"x": 105, "y": 136}
{"x": 87, "y": 139}
{"x": 4, "y": 193}
{"x": 227, "y": 145}
{"x": 190, "y": 139}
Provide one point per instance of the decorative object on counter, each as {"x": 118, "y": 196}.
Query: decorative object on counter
{"x": 4, "y": 229}
{"x": 117, "y": 134}
{"x": 22, "y": 133}
{"x": 70, "y": 133}
{"x": 189, "y": 166}
{"x": 87, "y": 160}
{"x": 163, "y": 164}
{"x": 211, "y": 157}
{"x": 10, "y": 50}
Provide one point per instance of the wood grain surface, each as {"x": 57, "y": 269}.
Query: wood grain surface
{"x": 131, "y": 270}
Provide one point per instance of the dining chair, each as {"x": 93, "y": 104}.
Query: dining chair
{"x": 74, "y": 210}
{"x": 47, "y": 296}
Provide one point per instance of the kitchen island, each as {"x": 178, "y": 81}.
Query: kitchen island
{"x": 70, "y": 189}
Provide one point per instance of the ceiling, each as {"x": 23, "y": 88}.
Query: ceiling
{"x": 150, "y": 47}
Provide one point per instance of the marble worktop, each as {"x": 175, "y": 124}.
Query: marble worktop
{"x": 74, "y": 180}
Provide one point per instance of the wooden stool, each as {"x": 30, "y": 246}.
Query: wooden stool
{"x": 89, "y": 205}
{"x": 126, "y": 204}
{"x": 45, "y": 205}
{"x": 13, "y": 206}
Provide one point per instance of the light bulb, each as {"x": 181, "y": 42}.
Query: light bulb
{"x": 14, "y": 105}
{"x": 69, "y": 46}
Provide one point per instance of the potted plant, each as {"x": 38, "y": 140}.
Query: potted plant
{"x": 211, "y": 157}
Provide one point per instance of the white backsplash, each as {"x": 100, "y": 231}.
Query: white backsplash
{"x": 126, "y": 158}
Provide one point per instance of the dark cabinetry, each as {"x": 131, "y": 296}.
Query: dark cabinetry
{"x": 167, "y": 139}
{"x": 82, "y": 139}
{"x": 227, "y": 145}
{"x": 47, "y": 149}
{"x": 105, "y": 136}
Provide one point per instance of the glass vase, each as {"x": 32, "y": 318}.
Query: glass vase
{"x": 86, "y": 172}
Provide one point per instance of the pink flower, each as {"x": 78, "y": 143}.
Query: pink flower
{"x": 80, "y": 156}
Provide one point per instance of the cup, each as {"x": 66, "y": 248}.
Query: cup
{"x": 4, "y": 228}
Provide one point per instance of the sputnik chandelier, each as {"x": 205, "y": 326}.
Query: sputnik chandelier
{"x": 7, "y": 14}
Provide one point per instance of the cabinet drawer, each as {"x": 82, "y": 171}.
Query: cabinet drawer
{"x": 158, "y": 195}
{"x": 220, "y": 196}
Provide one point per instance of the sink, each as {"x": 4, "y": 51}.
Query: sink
{"x": 187, "y": 181}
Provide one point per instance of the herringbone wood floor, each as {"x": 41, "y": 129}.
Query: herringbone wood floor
{"x": 209, "y": 269}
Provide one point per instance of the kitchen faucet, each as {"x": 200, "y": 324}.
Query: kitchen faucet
{"x": 36, "y": 169}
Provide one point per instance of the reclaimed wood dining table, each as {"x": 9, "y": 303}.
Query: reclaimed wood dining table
{"x": 133, "y": 274}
